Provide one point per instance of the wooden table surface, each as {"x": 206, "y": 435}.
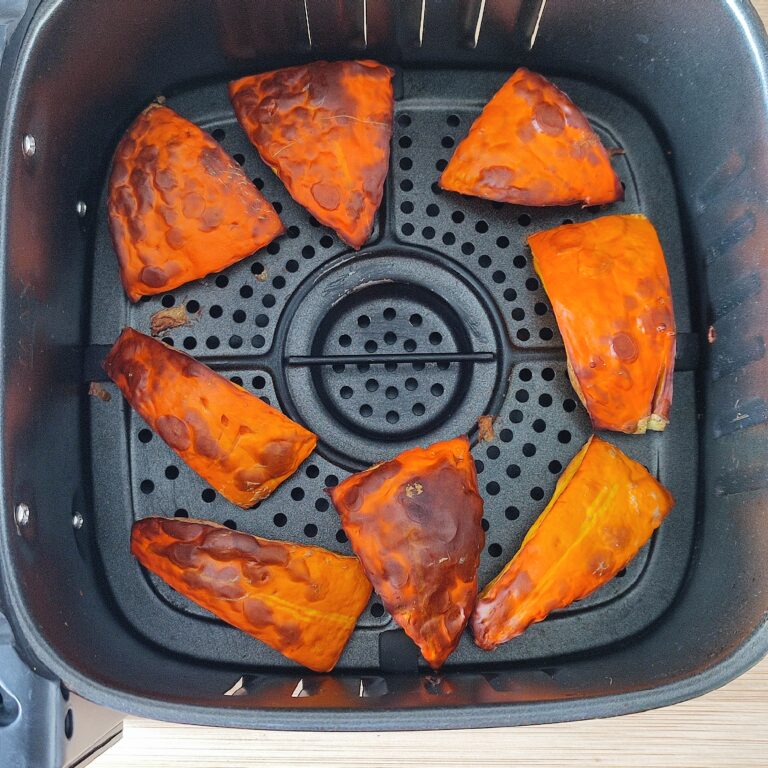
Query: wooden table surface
{"x": 728, "y": 727}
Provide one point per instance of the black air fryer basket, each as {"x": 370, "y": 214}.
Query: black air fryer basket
{"x": 438, "y": 320}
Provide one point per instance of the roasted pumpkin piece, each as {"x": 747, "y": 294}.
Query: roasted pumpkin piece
{"x": 179, "y": 206}
{"x": 302, "y": 601}
{"x": 324, "y": 128}
{"x": 231, "y": 438}
{"x": 608, "y": 285}
{"x": 604, "y": 508}
{"x": 415, "y": 524}
{"x": 532, "y": 146}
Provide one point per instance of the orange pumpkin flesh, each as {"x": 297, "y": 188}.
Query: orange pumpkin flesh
{"x": 324, "y": 128}
{"x": 302, "y": 601}
{"x": 233, "y": 440}
{"x": 532, "y": 146}
{"x": 604, "y": 508}
{"x": 415, "y": 524}
{"x": 608, "y": 285}
{"x": 179, "y": 206}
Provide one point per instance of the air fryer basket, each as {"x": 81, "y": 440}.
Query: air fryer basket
{"x": 438, "y": 320}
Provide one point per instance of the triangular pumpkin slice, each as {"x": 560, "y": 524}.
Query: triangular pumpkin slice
{"x": 532, "y": 146}
{"x": 302, "y": 601}
{"x": 179, "y": 206}
{"x": 608, "y": 284}
{"x": 604, "y": 508}
{"x": 415, "y": 524}
{"x": 324, "y": 128}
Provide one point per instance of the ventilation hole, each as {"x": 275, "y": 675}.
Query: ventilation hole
{"x": 505, "y": 435}
{"x": 513, "y": 471}
{"x": 208, "y": 495}
{"x": 481, "y": 227}
{"x": 297, "y": 494}
{"x": 570, "y": 221}
{"x": 277, "y": 206}
{"x": 258, "y": 183}
{"x": 366, "y": 410}
{"x": 331, "y": 481}
{"x": 546, "y": 334}
{"x": 523, "y": 219}
{"x": 516, "y": 416}
{"x": 377, "y": 610}
{"x": 310, "y": 530}
{"x": 518, "y": 313}
{"x": 523, "y": 334}
{"x": 621, "y": 574}
{"x": 259, "y": 382}
{"x": 307, "y": 251}
{"x": 537, "y": 494}
{"x": 492, "y": 452}
{"x": 312, "y": 471}
{"x": 171, "y": 472}
{"x": 265, "y": 399}
{"x": 532, "y": 284}
{"x": 437, "y": 390}
{"x": 457, "y": 217}
{"x": 411, "y": 384}
{"x": 435, "y": 187}
{"x": 193, "y": 307}
{"x": 529, "y": 449}
{"x": 69, "y": 724}
{"x": 190, "y": 342}
{"x": 449, "y": 238}
{"x": 390, "y": 338}
{"x": 218, "y": 134}
{"x": 435, "y": 338}
{"x": 258, "y": 341}
{"x": 268, "y": 300}
{"x": 522, "y": 395}
{"x": 181, "y": 513}
{"x": 540, "y": 308}
{"x": 406, "y": 163}
{"x": 525, "y": 374}
{"x": 235, "y": 342}
{"x": 321, "y": 504}
{"x": 168, "y": 301}
{"x": 443, "y": 365}
{"x": 363, "y": 321}
{"x": 418, "y": 366}
{"x": 502, "y": 242}
{"x": 428, "y": 233}
{"x": 168, "y": 340}
{"x": 363, "y": 367}
{"x": 145, "y": 435}
{"x": 292, "y": 232}
{"x": 371, "y": 346}
{"x": 479, "y": 466}
{"x": 405, "y": 142}
{"x": 496, "y": 205}
{"x": 341, "y": 537}
{"x": 346, "y": 392}
{"x": 239, "y": 159}
{"x": 408, "y": 229}
{"x": 338, "y": 368}
{"x": 222, "y": 281}
{"x": 453, "y": 120}
{"x": 326, "y": 241}
{"x": 441, "y": 165}
{"x": 406, "y": 206}
{"x": 484, "y": 261}
{"x": 545, "y": 400}
{"x": 548, "y": 374}
{"x": 345, "y": 340}
{"x": 236, "y": 380}
{"x": 371, "y": 385}
{"x": 231, "y": 524}
{"x": 404, "y": 120}
{"x": 539, "y": 425}
{"x": 147, "y": 486}
{"x": 447, "y": 142}
{"x": 391, "y": 393}
{"x": 511, "y": 513}
{"x": 555, "y": 467}
{"x": 238, "y": 316}
{"x": 467, "y": 249}
{"x": 433, "y": 210}
{"x": 392, "y": 417}
{"x": 519, "y": 261}
{"x": 564, "y": 436}
{"x": 510, "y": 294}
{"x": 498, "y": 276}
{"x": 409, "y": 345}
{"x": 279, "y": 519}
{"x": 406, "y": 185}
{"x": 569, "y": 405}
{"x": 279, "y": 281}
{"x": 257, "y": 268}
{"x": 418, "y": 409}
{"x": 494, "y": 550}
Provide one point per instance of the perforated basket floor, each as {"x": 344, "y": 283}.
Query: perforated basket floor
{"x": 438, "y": 320}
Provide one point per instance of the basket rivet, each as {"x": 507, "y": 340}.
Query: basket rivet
{"x": 81, "y": 208}
{"x": 28, "y": 145}
{"x": 77, "y": 521}
{"x": 22, "y": 513}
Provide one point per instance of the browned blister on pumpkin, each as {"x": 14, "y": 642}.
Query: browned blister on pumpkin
{"x": 324, "y": 128}
{"x": 179, "y": 206}
{"x": 240, "y": 445}
{"x": 532, "y": 146}
{"x": 604, "y": 508}
{"x": 609, "y": 288}
{"x": 302, "y": 601}
{"x": 415, "y": 524}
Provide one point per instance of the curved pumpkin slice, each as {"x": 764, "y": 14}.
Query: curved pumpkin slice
{"x": 604, "y": 508}
{"x": 231, "y": 438}
{"x": 532, "y": 146}
{"x": 302, "y": 601}
{"x": 609, "y": 288}
{"x": 415, "y": 524}
{"x": 179, "y": 206}
{"x": 324, "y": 128}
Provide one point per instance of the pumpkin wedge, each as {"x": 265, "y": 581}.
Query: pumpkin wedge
{"x": 302, "y": 601}
{"x": 324, "y": 128}
{"x": 415, "y": 524}
{"x": 532, "y": 146}
{"x": 604, "y": 508}
{"x": 240, "y": 445}
{"x": 608, "y": 285}
{"x": 179, "y": 206}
